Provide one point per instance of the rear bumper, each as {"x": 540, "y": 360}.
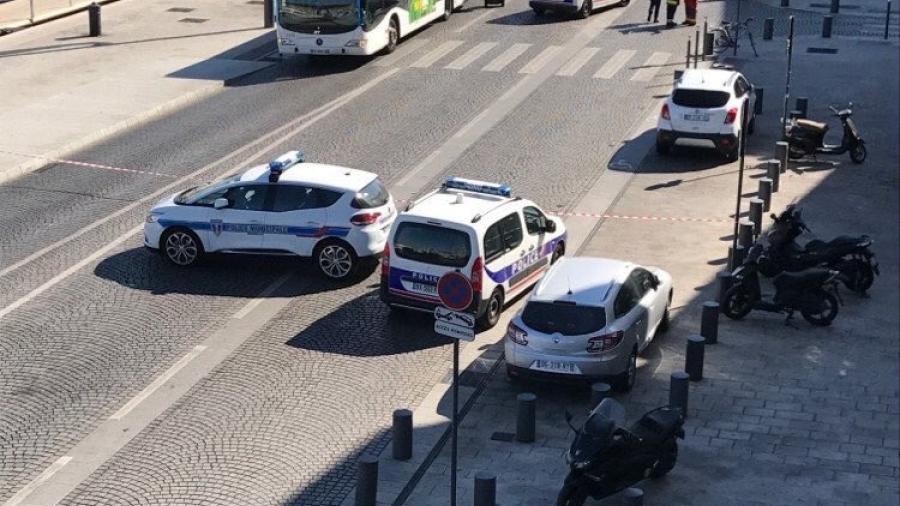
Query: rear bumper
{"x": 724, "y": 142}
{"x": 563, "y": 7}
{"x": 478, "y": 306}
{"x": 605, "y": 365}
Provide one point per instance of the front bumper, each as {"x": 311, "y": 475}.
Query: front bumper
{"x": 563, "y": 7}
{"x": 723, "y": 142}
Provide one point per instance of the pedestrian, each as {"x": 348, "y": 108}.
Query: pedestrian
{"x": 654, "y": 11}
{"x": 690, "y": 12}
{"x": 671, "y": 7}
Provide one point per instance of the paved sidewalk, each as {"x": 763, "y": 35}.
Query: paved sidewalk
{"x": 62, "y": 90}
{"x": 17, "y": 14}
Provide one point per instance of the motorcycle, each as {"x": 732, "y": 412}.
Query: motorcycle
{"x": 606, "y": 458}
{"x": 849, "y": 255}
{"x": 814, "y": 292}
{"x": 806, "y": 137}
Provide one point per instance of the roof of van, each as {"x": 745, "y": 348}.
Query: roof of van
{"x": 460, "y": 206}
{"x": 706, "y": 79}
{"x": 589, "y": 279}
{"x": 318, "y": 174}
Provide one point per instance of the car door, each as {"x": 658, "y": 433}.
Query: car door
{"x": 241, "y": 224}
{"x": 743, "y": 92}
{"x": 298, "y": 218}
{"x": 540, "y": 247}
{"x": 630, "y": 315}
{"x": 503, "y": 248}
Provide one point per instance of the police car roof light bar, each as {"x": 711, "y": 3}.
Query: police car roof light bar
{"x": 473, "y": 185}
{"x": 282, "y": 163}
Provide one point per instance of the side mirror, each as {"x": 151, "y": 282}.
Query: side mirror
{"x": 656, "y": 282}
{"x": 773, "y": 216}
{"x": 220, "y": 203}
{"x": 550, "y": 226}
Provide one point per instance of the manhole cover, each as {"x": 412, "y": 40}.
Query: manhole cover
{"x": 193, "y": 20}
{"x": 180, "y": 9}
{"x": 821, "y": 50}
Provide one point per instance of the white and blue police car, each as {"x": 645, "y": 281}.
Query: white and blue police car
{"x": 338, "y": 216}
{"x": 502, "y": 243}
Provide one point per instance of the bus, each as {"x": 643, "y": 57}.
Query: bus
{"x": 352, "y": 27}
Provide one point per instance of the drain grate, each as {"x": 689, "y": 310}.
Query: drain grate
{"x": 193, "y": 20}
{"x": 180, "y": 9}
{"x": 821, "y": 50}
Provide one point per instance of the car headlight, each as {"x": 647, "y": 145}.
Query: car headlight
{"x": 151, "y": 218}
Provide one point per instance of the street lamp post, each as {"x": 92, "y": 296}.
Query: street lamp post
{"x": 787, "y": 83}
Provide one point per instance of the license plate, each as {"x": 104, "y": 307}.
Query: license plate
{"x": 556, "y": 366}
{"x": 424, "y": 288}
{"x": 319, "y": 51}
{"x": 696, "y": 117}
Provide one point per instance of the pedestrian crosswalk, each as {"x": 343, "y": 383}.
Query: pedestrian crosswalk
{"x": 524, "y": 58}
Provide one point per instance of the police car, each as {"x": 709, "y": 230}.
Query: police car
{"x": 502, "y": 243}
{"x": 339, "y": 216}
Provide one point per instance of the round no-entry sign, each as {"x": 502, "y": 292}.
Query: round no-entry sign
{"x": 455, "y": 291}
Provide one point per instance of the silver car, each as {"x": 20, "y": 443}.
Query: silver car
{"x": 589, "y": 318}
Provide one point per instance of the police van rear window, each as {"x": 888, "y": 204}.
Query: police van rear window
{"x": 704, "y": 99}
{"x": 432, "y": 244}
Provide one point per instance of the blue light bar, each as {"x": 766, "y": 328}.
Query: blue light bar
{"x": 473, "y": 185}
{"x": 282, "y": 163}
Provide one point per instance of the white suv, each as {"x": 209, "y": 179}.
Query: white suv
{"x": 708, "y": 104}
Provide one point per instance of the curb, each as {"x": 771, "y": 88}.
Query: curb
{"x": 50, "y": 16}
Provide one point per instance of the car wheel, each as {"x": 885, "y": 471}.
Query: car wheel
{"x": 663, "y": 148}
{"x": 735, "y": 153}
{"x": 336, "y": 260}
{"x": 492, "y": 312}
{"x": 625, "y": 381}
{"x": 181, "y": 247}
{"x": 393, "y": 36}
{"x": 586, "y": 9}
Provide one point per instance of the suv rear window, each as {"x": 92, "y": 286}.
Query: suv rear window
{"x": 567, "y": 319}
{"x": 373, "y": 195}
{"x": 701, "y": 99}
{"x": 432, "y": 244}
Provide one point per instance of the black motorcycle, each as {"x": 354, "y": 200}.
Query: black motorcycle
{"x": 806, "y": 137}
{"x": 606, "y": 458}
{"x": 813, "y": 292}
{"x": 849, "y": 255}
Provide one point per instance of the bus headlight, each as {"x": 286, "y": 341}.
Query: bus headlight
{"x": 360, "y": 43}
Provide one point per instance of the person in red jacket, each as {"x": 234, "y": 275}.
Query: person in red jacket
{"x": 690, "y": 12}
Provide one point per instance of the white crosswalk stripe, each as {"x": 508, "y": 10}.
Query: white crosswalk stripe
{"x": 402, "y": 51}
{"x": 506, "y": 57}
{"x": 436, "y": 54}
{"x": 651, "y": 66}
{"x": 614, "y": 64}
{"x": 574, "y": 65}
{"x": 471, "y": 55}
{"x": 538, "y": 62}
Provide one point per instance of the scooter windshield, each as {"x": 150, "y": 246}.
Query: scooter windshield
{"x": 598, "y": 430}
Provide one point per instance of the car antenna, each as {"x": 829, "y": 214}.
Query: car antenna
{"x": 569, "y": 281}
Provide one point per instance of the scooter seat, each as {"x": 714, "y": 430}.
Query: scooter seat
{"x": 812, "y": 125}
{"x": 803, "y": 279}
{"x": 657, "y": 424}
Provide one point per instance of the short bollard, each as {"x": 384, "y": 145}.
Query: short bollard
{"x": 94, "y": 27}
{"x": 268, "y": 16}
{"x": 756, "y": 213}
{"x": 678, "y": 391}
{"x": 525, "y": 411}
{"x": 736, "y": 257}
{"x": 887, "y": 21}
{"x": 709, "y": 322}
{"x": 724, "y": 281}
{"x": 835, "y": 6}
{"x": 633, "y": 497}
{"x": 760, "y": 95}
{"x": 693, "y": 360}
{"x": 367, "y": 481}
{"x": 403, "y": 434}
{"x": 745, "y": 233}
{"x": 802, "y": 105}
{"x": 485, "y": 489}
{"x": 599, "y": 391}
{"x": 773, "y": 172}
{"x": 782, "y": 154}
{"x": 827, "y": 24}
{"x": 768, "y": 28}
{"x": 764, "y": 193}
{"x": 709, "y": 41}
{"x": 677, "y": 74}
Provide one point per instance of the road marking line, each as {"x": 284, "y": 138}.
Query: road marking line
{"x": 538, "y": 62}
{"x": 578, "y": 61}
{"x": 614, "y": 64}
{"x": 265, "y": 294}
{"x": 402, "y": 51}
{"x": 471, "y": 55}
{"x": 35, "y": 483}
{"x": 436, "y": 54}
{"x": 651, "y": 66}
{"x": 158, "y": 382}
{"x": 506, "y": 57}
{"x": 304, "y": 121}
{"x": 86, "y": 164}
{"x": 473, "y": 21}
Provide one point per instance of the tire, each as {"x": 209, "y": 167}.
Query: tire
{"x": 586, "y": 9}
{"x": 665, "y": 323}
{"x": 735, "y": 153}
{"x": 663, "y": 148}
{"x": 181, "y": 247}
{"x": 667, "y": 460}
{"x": 864, "y": 278}
{"x": 336, "y": 260}
{"x": 393, "y": 36}
{"x": 625, "y": 381}
{"x": 571, "y": 495}
{"x": 822, "y": 310}
{"x": 736, "y": 304}
{"x": 558, "y": 252}
{"x": 858, "y": 153}
{"x": 448, "y": 10}
{"x": 492, "y": 313}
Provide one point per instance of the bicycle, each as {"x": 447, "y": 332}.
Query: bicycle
{"x": 727, "y": 35}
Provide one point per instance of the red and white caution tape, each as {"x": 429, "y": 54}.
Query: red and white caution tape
{"x": 87, "y": 164}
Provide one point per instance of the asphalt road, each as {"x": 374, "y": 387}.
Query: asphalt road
{"x": 88, "y": 321}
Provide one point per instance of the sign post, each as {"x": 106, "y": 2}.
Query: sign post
{"x": 455, "y": 292}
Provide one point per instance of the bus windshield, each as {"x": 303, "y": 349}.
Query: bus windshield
{"x": 319, "y": 16}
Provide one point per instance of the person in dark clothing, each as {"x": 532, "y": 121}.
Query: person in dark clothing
{"x": 671, "y": 8}
{"x": 654, "y": 11}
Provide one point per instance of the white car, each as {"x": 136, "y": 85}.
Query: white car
{"x": 337, "y": 215}
{"x": 581, "y": 8}
{"x": 710, "y": 104}
{"x": 589, "y": 318}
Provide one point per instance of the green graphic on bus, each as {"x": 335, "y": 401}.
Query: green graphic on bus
{"x": 420, "y": 8}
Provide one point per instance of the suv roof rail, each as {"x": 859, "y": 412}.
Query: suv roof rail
{"x": 477, "y": 217}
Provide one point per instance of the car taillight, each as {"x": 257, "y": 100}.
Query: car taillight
{"x": 475, "y": 278}
{"x": 386, "y": 260}
{"x": 364, "y": 218}
{"x": 516, "y": 335}
{"x": 606, "y": 342}
{"x": 731, "y": 115}
{"x": 664, "y": 113}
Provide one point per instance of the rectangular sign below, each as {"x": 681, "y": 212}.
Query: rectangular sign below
{"x": 455, "y": 331}
{"x": 454, "y": 317}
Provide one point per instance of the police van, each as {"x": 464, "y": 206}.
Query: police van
{"x": 502, "y": 243}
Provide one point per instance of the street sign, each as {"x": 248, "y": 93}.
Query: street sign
{"x": 454, "y": 317}
{"x": 455, "y": 291}
{"x": 454, "y": 324}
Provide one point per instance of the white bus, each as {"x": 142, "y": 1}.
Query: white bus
{"x": 352, "y": 27}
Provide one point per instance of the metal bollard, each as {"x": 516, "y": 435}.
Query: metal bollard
{"x": 745, "y": 233}
{"x": 736, "y": 257}
{"x": 678, "y": 391}
{"x": 887, "y": 21}
{"x": 782, "y": 153}
{"x": 367, "y": 481}
{"x": 709, "y": 322}
{"x": 756, "y": 213}
{"x": 773, "y": 172}
{"x": 768, "y": 28}
{"x": 687, "y": 58}
{"x": 633, "y": 497}
{"x": 693, "y": 360}
{"x": 827, "y": 24}
{"x": 724, "y": 280}
{"x": 709, "y": 40}
{"x": 485, "y": 489}
{"x": 758, "y": 105}
{"x": 802, "y": 105}
{"x": 765, "y": 193}
{"x": 599, "y": 391}
{"x": 525, "y": 411}
{"x": 835, "y": 6}
{"x": 94, "y": 25}
{"x": 268, "y": 14}
{"x": 678, "y": 74}
{"x": 403, "y": 434}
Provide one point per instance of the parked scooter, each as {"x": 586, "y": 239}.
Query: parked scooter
{"x": 806, "y": 137}
{"x": 849, "y": 255}
{"x": 606, "y": 458}
{"x": 813, "y": 292}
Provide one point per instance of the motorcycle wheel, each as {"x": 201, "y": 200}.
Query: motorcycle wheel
{"x": 858, "y": 153}
{"x": 861, "y": 277}
{"x": 737, "y": 303}
{"x": 667, "y": 459}
{"x": 820, "y": 309}
{"x": 571, "y": 495}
